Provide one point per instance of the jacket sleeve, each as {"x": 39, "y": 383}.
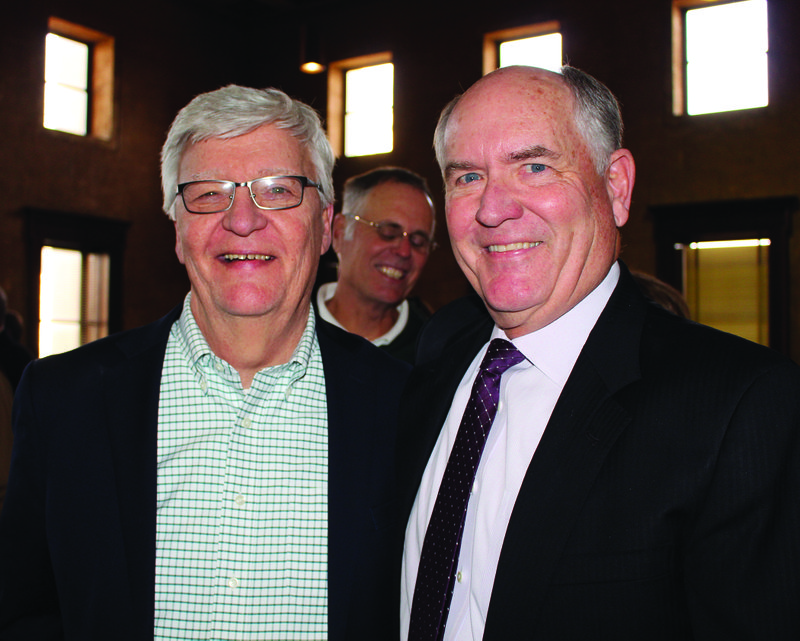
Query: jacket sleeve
{"x": 742, "y": 563}
{"x": 28, "y": 601}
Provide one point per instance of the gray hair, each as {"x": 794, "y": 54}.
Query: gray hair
{"x": 235, "y": 111}
{"x": 357, "y": 188}
{"x": 597, "y": 117}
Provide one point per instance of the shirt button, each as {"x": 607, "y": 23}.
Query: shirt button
{"x": 246, "y": 422}
{"x": 458, "y": 577}
{"x": 218, "y": 366}
{"x": 239, "y": 500}
{"x": 203, "y": 385}
{"x": 233, "y": 583}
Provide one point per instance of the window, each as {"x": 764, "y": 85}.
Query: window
{"x": 66, "y": 85}
{"x": 731, "y": 261}
{"x": 361, "y": 105}
{"x": 73, "y": 298}
{"x": 726, "y": 285}
{"x": 75, "y": 266}
{"x": 79, "y": 80}
{"x": 719, "y": 56}
{"x": 533, "y": 45}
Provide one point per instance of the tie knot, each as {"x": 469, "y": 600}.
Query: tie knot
{"x": 500, "y": 356}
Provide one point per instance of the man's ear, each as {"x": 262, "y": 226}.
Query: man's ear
{"x": 178, "y": 248}
{"x": 339, "y": 224}
{"x": 620, "y": 177}
{"x": 327, "y": 215}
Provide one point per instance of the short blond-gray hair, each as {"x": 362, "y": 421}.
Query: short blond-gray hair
{"x": 235, "y": 111}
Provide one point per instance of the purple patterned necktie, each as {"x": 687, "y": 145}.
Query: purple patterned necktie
{"x": 439, "y": 559}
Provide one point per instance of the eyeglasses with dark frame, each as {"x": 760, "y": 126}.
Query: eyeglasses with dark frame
{"x": 390, "y": 231}
{"x": 268, "y": 192}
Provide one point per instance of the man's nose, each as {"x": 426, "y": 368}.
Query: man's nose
{"x": 402, "y": 246}
{"x": 244, "y": 217}
{"x": 497, "y": 204}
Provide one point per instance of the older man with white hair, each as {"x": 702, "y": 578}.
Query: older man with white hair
{"x": 227, "y": 472}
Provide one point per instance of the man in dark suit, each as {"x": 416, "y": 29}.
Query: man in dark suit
{"x": 226, "y": 472}
{"x": 641, "y": 478}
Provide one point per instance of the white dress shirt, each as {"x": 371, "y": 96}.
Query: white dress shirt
{"x": 528, "y": 394}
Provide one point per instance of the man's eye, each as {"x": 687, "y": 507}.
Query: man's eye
{"x": 536, "y": 168}
{"x": 468, "y": 178}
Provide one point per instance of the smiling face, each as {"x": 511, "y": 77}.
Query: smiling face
{"x": 378, "y": 271}
{"x": 532, "y": 224}
{"x": 249, "y": 262}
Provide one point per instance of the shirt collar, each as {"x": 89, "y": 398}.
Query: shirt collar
{"x": 192, "y": 342}
{"x": 554, "y": 348}
{"x": 326, "y": 292}
{"x": 196, "y": 349}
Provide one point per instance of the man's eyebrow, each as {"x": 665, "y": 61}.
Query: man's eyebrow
{"x": 455, "y": 166}
{"x": 532, "y": 153}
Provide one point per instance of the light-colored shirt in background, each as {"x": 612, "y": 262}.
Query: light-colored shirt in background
{"x": 326, "y": 292}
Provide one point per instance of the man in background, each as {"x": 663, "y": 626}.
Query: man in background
{"x": 13, "y": 356}
{"x": 13, "y": 360}
{"x": 382, "y": 240}
{"x": 641, "y": 474}
{"x": 226, "y": 472}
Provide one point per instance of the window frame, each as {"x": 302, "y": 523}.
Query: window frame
{"x": 87, "y": 234}
{"x": 92, "y": 304}
{"x": 100, "y": 123}
{"x": 337, "y": 93}
{"x": 493, "y": 40}
{"x": 679, "y": 61}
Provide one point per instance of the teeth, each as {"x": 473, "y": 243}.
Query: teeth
{"x": 513, "y": 246}
{"x": 391, "y": 272}
{"x": 232, "y": 257}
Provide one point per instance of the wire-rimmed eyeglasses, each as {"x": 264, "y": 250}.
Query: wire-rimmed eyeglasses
{"x": 390, "y": 231}
{"x": 269, "y": 192}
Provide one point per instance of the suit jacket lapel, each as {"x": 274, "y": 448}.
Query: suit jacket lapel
{"x": 362, "y": 519}
{"x": 341, "y": 393}
{"x": 584, "y": 425}
{"x": 130, "y": 391}
{"x": 426, "y": 403}
{"x": 347, "y": 380}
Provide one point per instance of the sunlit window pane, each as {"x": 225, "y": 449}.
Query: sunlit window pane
{"x": 66, "y": 97}
{"x": 369, "y": 116}
{"x": 66, "y": 61}
{"x": 65, "y": 109}
{"x": 537, "y": 51}
{"x": 73, "y": 299}
{"x": 59, "y": 300}
{"x": 726, "y": 57}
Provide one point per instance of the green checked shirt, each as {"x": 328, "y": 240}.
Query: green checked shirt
{"x": 242, "y": 520}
